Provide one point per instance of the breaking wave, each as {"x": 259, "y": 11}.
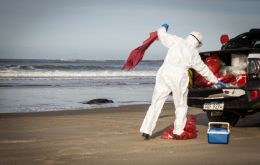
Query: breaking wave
{"x": 54, "y": 67}
{"x": 61, "y": 74}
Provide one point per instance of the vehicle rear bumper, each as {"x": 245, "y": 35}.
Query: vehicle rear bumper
{"x": 230, "y": 104}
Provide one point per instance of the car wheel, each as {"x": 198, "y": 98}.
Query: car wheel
{"x": 216, "y": 116}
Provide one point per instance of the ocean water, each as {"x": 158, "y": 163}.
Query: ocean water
{"x": 54, "y": 85}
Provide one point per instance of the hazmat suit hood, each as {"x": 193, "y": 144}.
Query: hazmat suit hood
{"x": 194, "y": 39}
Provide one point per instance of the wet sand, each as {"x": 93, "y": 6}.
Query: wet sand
{"x": 111, "y": 136}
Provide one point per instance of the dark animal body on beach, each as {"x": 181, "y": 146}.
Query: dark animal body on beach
{"x": 98, "y": 101}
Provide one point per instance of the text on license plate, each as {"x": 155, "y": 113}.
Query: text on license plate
{"x": 213, "y": 106}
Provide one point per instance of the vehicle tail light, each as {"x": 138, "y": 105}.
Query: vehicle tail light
{"x": 254, "y": 94}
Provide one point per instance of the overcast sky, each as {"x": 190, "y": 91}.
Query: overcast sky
{"x": 110, "y": 29}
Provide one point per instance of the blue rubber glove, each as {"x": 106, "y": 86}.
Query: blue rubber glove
{"x": 221, "y": 84}
{"x": 166, "y": 26}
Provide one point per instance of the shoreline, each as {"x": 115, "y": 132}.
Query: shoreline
{"x": 135, "y": 107}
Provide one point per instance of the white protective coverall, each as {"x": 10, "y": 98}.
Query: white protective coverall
{"x": 173, "y": 77}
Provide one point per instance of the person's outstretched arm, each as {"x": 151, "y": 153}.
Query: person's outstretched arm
{"x": 202, "y": 68}
{"x": 166, "y": 39}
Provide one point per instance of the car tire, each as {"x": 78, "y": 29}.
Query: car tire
{"x": 215, "y": 116}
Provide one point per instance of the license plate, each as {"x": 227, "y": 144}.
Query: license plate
{"x": 213, "y": 106}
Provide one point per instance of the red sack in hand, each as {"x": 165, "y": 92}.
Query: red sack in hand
{"x": 137, "y": 54}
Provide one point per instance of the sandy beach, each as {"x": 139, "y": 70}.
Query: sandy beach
{"x": 111, "y": 136}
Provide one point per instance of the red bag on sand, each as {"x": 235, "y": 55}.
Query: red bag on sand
{"x": 137, "y": 54}
{"x": 190, "y": 124}
{"x": 190, "y": 127}
{"x": 168, "y": 134}
{"x": 190, "y": 131}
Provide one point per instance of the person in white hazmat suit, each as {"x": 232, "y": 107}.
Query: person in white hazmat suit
{"x": 173, "y": 77}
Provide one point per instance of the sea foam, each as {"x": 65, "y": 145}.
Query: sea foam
{"x": 11, "y": 74}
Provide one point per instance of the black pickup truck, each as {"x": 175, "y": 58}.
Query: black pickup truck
{"x": 232, "y": 103}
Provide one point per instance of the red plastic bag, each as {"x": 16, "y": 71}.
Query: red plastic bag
{"x": 228, "y": 78}
{"x": 190, "y": 131}
{"x": 241, "y": 80}
{"x": 137, "y": 54}
{"x": 224, "y": 39}
{"x": 190, "y": 124}
{"x": 168, "y": 134}
{"x": 200, "y": 81}
{"x": 214, "y": 64}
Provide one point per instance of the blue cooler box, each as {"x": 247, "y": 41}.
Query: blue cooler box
{"x": 218, "y": 132}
